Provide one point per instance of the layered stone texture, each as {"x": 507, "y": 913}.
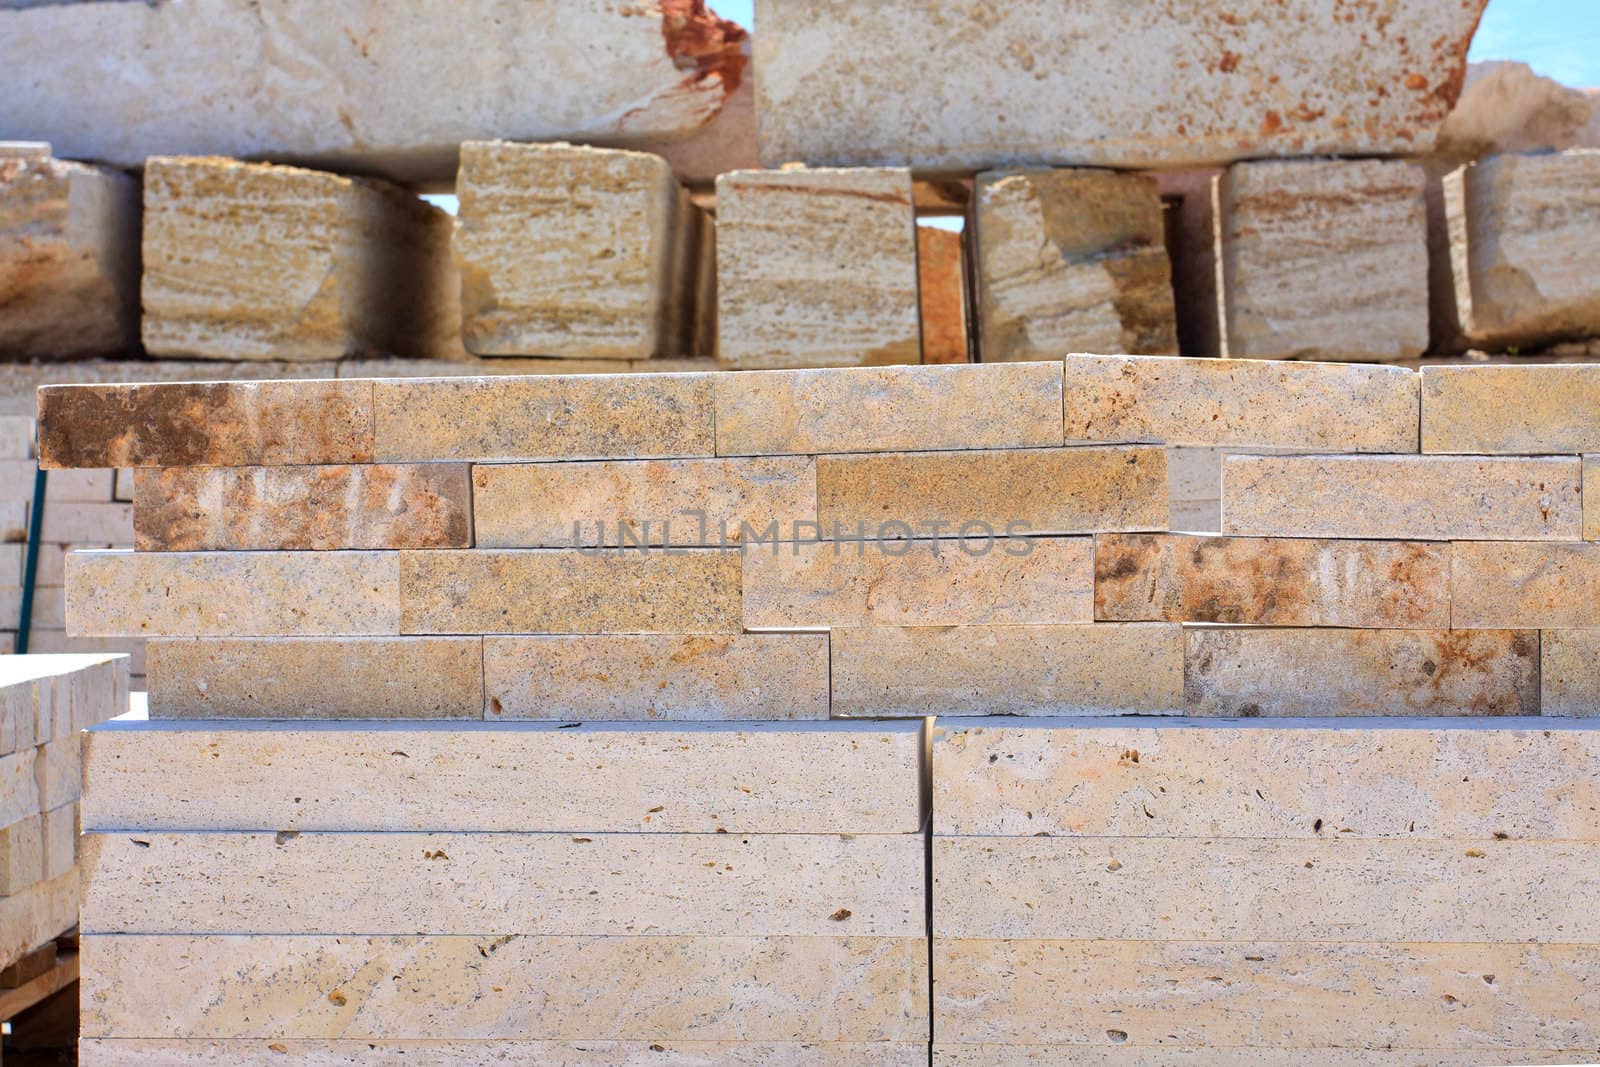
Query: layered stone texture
{"x": 942, "y": 295}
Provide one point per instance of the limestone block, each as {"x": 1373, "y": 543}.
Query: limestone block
{"x": 16, "y": 436}
{"x": 516, "y": 366}
{"x": 942, "y": 295}
{"x": 1017, "y": 581}
{"x": 132, "y": 1052}
{"x": 1325, "y": 260}
{"x": 1128, "y": 669}
{"x": 651, "y": 988}
{"x": 738, "y": 778}
{"x": 253, "y": 261}
{"x": 1271, "y": 581}
{"x": 358, "y": 506}
{"x": 1591, "y": 498}
{"x": 816, "y": 268}
{"x": 656, "y": 676}
{"x": 1280, "y": 672}
{"x": 58, "y": 771}
{"x": 36, "y": 914}
{"x": 1038, "y": 491}
{"x": 317, "y": 678}
{"x": 69, "y": 259}
{"x": 212, "y": 424}
{"x": 1240, "y": 403}
{"x": 68, "y": 521}
{"x": 641, "y": 502}
{"x": 1507, "y": 408}
{"x": 1466, "y": 498}
{"x": 233, "y": 594}
{"x": 508, "y": 591}
{"x": 565, "y": 417}
{"x": 1569, "y": 674}
{"x": 21, "y": 855}
{"x": 57, "y": 642}
{"x": 59, "y": 830}
{"x": 1071, "y": 261}
{"x": 1107, "y": 1055}
{"x": 1522, "y": 233}
{"x": 80, "y": 486}
{"x": 1506, "y": 107}
{"x": 19, "y": 786}
{"x": 1546, "y": 586}
{"x": 572, "y": 251}
{"x": 881, "y": 409}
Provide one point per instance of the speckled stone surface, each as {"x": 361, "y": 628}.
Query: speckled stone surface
{"x": 244, "y": 1052}
{"x": 1569, "y": 676}
{"x": 1071, "y": 260}
{"x": 1591, "y": 498}
{"x": 1525, "y": 584}
{"x": 1241, "y": 403}
{"x": 816, "y": 268}
{"x": 1329, "y": 672}
{"x": 1417, "y": 497}
{"x": 889, "y": 408}
{"x": 1547, "y": 408}
{"x": 656, "y": 676}
{"x": 1275, "y": 581}
{"x": 36, "y": 914}
{"x": 369, "y": 505}
{"x": 1106, "y": 1054}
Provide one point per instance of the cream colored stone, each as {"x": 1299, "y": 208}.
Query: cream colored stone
{"x": 1071, "y": 261}
{"x": 1281, "y": 672}
{"x": 881, "y": 409}
{"x": 16, "y": 436}
{"x": 81, "y": 486}
{"x": 58, "y": 771}
{"x": 1325, "y": 259}
{"x": 1525, "y": 584}
{"x": 1569, "y": 674}
{"x": 1107, "y": 1055}
{"x": 69, "y": 522}
{"x": 57, "y": 642}
{"x": 59, "y": 830}
{"x": 259, "y": 1052}
{"x": 1008, "y": 670}
{"x": 22, "y": 856}
{"x": 36, "y": 914}
{"x": 816, "y": 268}
{"x": 1506, "y": 107}
{"x": 1512, "y": 409}
{"x": 1403, "y": 497}
{"x": 317, "y": 678}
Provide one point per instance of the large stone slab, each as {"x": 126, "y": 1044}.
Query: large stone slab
{"x": 1403, "y": 497}
{"x": 816, "y": 268}
{"x": 1324, "y": 259}
{"x": 117, "y": 1052}
{"x": 1277, "y": 672}
{"x": 656, "y": 676}
{"x": 1525, "y": 584}
{"x": 357, "y": 506}
{"x": 1512, "y": 409}
{"x": 1071, "y": 260}
{"x": 1108, "y": 1055}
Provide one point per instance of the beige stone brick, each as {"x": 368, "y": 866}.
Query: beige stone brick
{"x": 1508, "y": 408}
{"x": 58, "y": 771}
{"x": 21, "y": 855}
{"x": 17, "y": 475}
{"x": 19, "y": 785}
{"x": 36, "y": 914}
{"x": 59, "y": 829}
{"x": 816, "y": 268}
{"x": 1525, "y": 584}
{"x": 16, "y": 436}
{"x": 942, "y": 295}
{"x": 1569, "y": 675}
{"x": 68, "y": 522}
{"x": 123, "y": 1052}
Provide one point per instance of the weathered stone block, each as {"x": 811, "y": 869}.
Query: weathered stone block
{"x": 21, "y": 855}
{"x": 942, "y": 295}
{"x": 1513, "y": 409}
{"x": 36, "y": 914}
{"x": 816, "y": 268}
{"x": 176, "y": 1052}
{"x": 1325, "y": 260}
{"x": 1509, "y": 583}
{"x": 59, "y": 830}
{"x": 1569, "y": 673}
{"x": 58, "y": 771}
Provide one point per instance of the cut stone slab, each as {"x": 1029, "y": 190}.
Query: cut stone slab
{"x": 253, "y": 261}
{"x": 59, "y": 830}
{"x": 1403, "y": 497}
{"x": 942, "y": 295}
{"x": 1511, "y": 409}
{"x": 1239, "y": 403}
{"x": 78, "y": 522}
{"x": 1506, "y": 107}
{"x": 317, "y": 678}
{"x": 1106, "y": 1055}
{"x": 359, "y": 506}
{"x": 1016, "y": 581}
{"x": 58, "y": 769}
{"x": 656, "y": 676}
{"x": 973, "y": 494}
{"x": 816, "y": 268}
{"x": 40, "y": 912}
{"x": 1591, "y": 498}
{"x": 642, "y": 502}
{"x": 69, "y": 259}
{"x": 1071, "y": 261}
{"x": 1569, "y": 674}
{"x": 21, "y": 855}
{"x": 1271, "y": 581}
{"x": 570, "y": 591}
{"x": 572, "y": 251}
{"x": 176, "y": 1052}
{"x": 1525, "y": 584}
{"x": 879, "y": 409}
{"x": 1244, "y": 82}
{"x": 16, "y": 436}
{"x": 1132, "y": 669}
{"x": 1329, "y": 672}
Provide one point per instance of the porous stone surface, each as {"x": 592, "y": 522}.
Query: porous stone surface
{"x": 59, "y": 833}
{"x": 21, "y": 855}
{"x": 942, "y": 295}
{"x": 1098, "y": 1055}
{"x": 1569, "y": 675}
{"x": 1512, "y": 409}
{"x": 816, "y": 268}
{"x": 656, "y": 676}
{"x": 1591, "y": 498}
{"x": 1506, "y": 107}
{"x": 1071, "y": 260}
{"x": 1325, "y": 259}
{"x": 131, "y": 1052}
{"x": 1511, "y": 583}
{"x": 38, "y": 913}
{"x": 69, "y": 259}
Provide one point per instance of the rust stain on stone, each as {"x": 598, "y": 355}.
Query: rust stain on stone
{"x": 699, "y": 40}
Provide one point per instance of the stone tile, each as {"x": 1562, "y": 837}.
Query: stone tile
{"x": 360, "y": 506}
{"x": 1325, "y": 259}
{"x": 882, "y": 409}
{"x": 1039, "y": 491}
{"x": 1569, "y": 674}
{"x": 508, "y": 591}
{"x": 1283, "y": 672}
{"x": 1525, "y": 584}
{"x": 942, "y": 295}
{"x": 1008, "y": 670}
{"x": 1546, "y": 408}
{"x": 317, "y": 678}
{"x": 1013, "y": 581}
{"x": 232, "y": 594}
{"x": 21, "y": 854}
{"x": 1071, "y": 260}
{"x": 816, "y": 268}
{"x": 558, "y": 417}
{"x": 1271, "y": 581}
{"x": 642, "y": 502}
{"x": 1403, "y": 497}
{"x": 210, "y": 424}
{"x": 656, "y": 676}
{"x": 176, "y": 1052}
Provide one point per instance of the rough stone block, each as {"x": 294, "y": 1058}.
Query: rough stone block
{"x": 1325, "y": 259}
{"x": 1513, "y": 409}
{"x": 1569, "y": 672}
{"x": 134, "y": 1052}
{"x": 942, "y": 295}
{"x": 19, "y": 785}
{"x": 21, "y": 855}
{"x": 1282, "y": 672}
{"x": 1071, "y": 261}
{"x": 58, "y": 771}
{"x": 38, "y": 913}
{"x": 1403, "y": 497}
{"x": 1525, "y": 584}
{"x": 359, "y": 506}
{"x": 59, "y": 830}
{"x": 816, "y": 268}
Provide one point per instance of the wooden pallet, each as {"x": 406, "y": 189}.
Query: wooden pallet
{"x": 39, "y": 975}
